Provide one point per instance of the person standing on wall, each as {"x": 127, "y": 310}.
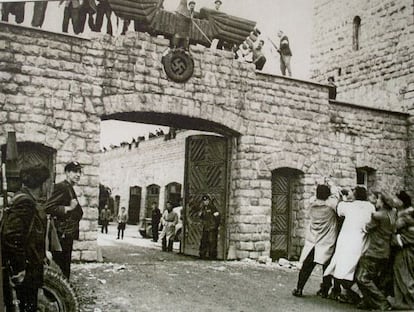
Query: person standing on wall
{"x": 210, "y": 219}
{"x": 285, "y": 54}
{"x": 155, "y": 220}
{"x": 332, "y": 88}
{"x": 64, "y": 207}
{"x": 23, "y": 236}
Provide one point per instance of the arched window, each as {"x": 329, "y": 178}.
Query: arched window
{"x": 357, "y": 33}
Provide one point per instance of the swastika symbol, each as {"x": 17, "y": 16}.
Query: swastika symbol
{"x": 178, "y": 66}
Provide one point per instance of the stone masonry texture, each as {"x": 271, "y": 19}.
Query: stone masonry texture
{"x": 55, "y": 89}
{"x": 381, "y": 71}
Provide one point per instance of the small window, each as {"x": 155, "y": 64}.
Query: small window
{"x": 366, "y": 176}
{"x": 356, "y": 33}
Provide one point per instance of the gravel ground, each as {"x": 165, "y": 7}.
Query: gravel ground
{"x": 136, "y": 276}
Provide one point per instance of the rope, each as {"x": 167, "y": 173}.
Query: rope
{"x": 202, "y": 32}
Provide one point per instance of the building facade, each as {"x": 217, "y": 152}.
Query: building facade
{"x": 277, "y": 136}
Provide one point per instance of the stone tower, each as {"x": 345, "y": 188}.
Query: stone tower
{"x": 368, "y": 46}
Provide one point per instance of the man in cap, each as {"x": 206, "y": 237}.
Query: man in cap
{"x": 191, "y": 7}
{"x": 210, "y": 219}
{"x": 66, "y": 211}
{"x": 218, "y": 4}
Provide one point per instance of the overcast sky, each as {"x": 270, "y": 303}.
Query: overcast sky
{"x": 293, "y": 17}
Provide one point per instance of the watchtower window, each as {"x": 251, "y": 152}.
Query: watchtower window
{"x": 357, "y": 33}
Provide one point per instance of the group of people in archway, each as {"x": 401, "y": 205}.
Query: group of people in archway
{"x": 363, "y": 239}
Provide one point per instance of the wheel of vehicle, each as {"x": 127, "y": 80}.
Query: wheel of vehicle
{"x": 143, "y": 233}
{"x": 56, "y": 295}
{"x": 52, "y": 265}
{"x": 149, "y": 231}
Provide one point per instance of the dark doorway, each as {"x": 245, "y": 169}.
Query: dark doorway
{"x": 134, "y": 207}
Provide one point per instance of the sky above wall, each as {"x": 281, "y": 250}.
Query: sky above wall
{"x": 293, "y": 17}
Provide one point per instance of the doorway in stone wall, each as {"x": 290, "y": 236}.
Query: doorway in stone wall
{"x": 287, "y": 192}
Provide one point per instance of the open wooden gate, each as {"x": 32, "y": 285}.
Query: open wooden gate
{"x": 205, "y": 173}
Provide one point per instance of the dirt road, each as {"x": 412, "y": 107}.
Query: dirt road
{"x": 137, "y": 276}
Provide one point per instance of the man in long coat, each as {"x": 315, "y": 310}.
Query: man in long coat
{"x": 320, "y": 239}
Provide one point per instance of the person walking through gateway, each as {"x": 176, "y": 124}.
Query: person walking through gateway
{"x": 122, "y": 220}
{"x": 169, "y": 220}
{"x": 66, "y": 211}
{"x": 320, "y": 239}
{"x": 155, "y": 221}
{"x": 23, "y": 241}
{"x": 210, "y": 219}
{"x": 105, "y": 217}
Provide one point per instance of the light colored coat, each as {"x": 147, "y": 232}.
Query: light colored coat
{"x": 322, "y": 231}
{"x": 352, "y": 240}
{"x": 168, "y": 220}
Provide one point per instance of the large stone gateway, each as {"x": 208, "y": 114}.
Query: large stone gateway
{"x": 284, "y": 133}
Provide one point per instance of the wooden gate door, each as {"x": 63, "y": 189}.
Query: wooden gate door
{"x": 205, "y": 173}
{"x": 280, "y": 226}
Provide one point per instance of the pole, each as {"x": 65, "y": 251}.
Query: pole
{"x": 4, "y": 186}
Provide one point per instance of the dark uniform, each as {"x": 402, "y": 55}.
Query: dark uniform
{"x": 23, "y": 249}
{"x": 210, "y": 224}
{"x": 155, "y": 221}
{"x": 67, "y": 224}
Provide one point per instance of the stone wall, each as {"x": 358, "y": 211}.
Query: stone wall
{"x": 54, "y": 89}
{"x": 381, "y": 72}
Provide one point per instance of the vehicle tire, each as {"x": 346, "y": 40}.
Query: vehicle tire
{"x": 149, "y": 231}
{"x": 54, "y": 267}
{"x": 56, "y": 295}
{"x": 143, "y": 233}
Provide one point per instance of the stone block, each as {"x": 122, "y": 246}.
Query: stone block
{"x": 89, "y": 255}
{"x": 241, "y": 254}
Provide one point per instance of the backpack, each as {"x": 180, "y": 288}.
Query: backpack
{"x": 34, "y": 242}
